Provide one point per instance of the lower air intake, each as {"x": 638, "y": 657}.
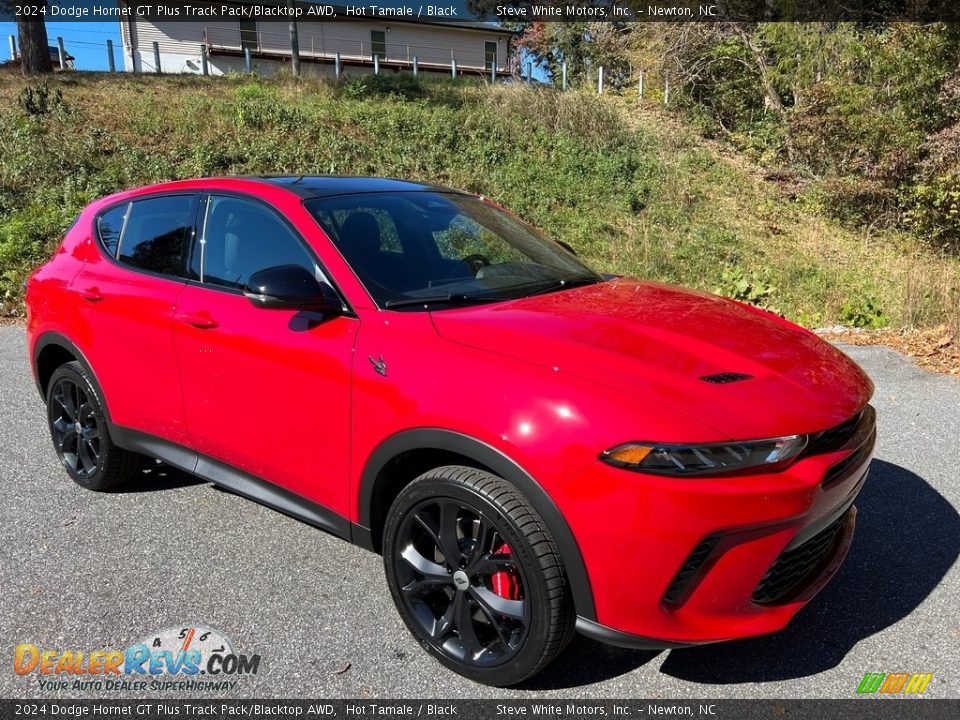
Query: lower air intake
{"x": 688, "y": 575}
{"x": 796, "y": 567}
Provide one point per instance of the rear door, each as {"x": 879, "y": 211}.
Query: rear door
{"x": 126, "y": 295}
{"x": 264, "y": 390}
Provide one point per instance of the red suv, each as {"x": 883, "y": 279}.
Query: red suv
{"x": 533, "y": 447}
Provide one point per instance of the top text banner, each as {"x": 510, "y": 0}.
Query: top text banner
{"x": 511, "y": 13}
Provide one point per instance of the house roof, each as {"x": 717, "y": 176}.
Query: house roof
{"x": 55, "y": 50}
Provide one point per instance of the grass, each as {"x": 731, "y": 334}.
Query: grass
{"x": 634, "y": 191}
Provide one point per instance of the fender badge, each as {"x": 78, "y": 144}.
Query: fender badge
{"x": 378, "y": 364}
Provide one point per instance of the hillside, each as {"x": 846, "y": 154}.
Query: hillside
{"x": 633, "y": 191}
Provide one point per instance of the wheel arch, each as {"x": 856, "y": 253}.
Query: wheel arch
{"x": 52, "y": 350}
{"x": 437, "y": 447}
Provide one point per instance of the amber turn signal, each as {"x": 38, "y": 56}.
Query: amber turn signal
{"x": 629, "y": 454}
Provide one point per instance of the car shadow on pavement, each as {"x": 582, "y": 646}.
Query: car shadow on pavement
{"x": 157, "y": 476}
{"x": 906, "y": 540}
{"x": 585, "y": 662}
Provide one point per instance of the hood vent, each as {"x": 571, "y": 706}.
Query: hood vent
{"x": 724, "y": 378}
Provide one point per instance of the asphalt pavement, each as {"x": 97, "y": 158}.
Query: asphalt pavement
{"x": 86, "y": 571}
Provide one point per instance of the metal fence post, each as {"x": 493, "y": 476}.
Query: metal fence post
{"x": 156, "y": 55}
{"x": 453, "y": 68}
{"x": 529, "y": 71}
{"x": 416, "y": 65}
{"x": 204, "y": 65}
{"x": 563, "y": 69}
{"x": 376, "y": 64}
{"x": 110, "y": 61}
{"x": 336, "y": 65}
{"x": 600, "y": 80}
{"x": 640, "y": 85}
{"x": 247, "y": 60}
{"x": 62, "y": 53}
{"x": 13, "y": 47}
{"x": 666, "y": 90}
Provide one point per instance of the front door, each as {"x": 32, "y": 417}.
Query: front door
{"x": 266, "y": 391}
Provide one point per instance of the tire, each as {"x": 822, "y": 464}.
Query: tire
{"x": 78, "y": 428}
{"x": 501, "y": 611}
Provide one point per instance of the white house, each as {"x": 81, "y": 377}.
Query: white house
{"x": 393, "y": 44}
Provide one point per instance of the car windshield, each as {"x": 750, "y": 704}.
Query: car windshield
{"x": 424, "y": 249}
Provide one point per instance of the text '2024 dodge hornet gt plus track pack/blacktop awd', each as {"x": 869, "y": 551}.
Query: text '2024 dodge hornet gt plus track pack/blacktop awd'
{"x": 533, "y": 447}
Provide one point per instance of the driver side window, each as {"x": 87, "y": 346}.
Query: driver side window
{"x": 239, "y": 238}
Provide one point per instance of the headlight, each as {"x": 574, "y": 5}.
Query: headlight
{"x": 708, "y": 459}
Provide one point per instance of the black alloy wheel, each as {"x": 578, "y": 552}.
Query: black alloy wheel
{"x": 76, "y": 433}
{"x": 81, "y": 438}
{"x": 475, "y": 576}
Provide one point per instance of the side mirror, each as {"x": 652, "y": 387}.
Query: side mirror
{"x": 291, "y": 287}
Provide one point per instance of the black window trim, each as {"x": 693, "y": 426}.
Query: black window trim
{"x": 193, "y": 194}
{"x": 204, "y": 196}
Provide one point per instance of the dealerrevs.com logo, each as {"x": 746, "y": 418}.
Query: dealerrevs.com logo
{"x": 191, "y": 658}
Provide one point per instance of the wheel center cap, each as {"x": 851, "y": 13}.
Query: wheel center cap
{"x": 461, "y": 580}
{"x": 78, "y": 427}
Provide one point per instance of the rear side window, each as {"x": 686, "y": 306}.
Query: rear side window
{"x": 110, "y": 227}
{"x": 150, "y": 234}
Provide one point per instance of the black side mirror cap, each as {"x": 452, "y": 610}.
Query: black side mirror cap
{"x": 291, "y": 287}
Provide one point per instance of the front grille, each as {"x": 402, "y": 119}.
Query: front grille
{"x": 789, "y": 575}
{"x": 834, "y": 438}
{"x": 683, "y": 582}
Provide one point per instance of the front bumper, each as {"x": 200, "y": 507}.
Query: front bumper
{"x": 676, "y": 562}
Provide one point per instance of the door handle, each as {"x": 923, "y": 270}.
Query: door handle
{"x": 200, "y": 320}
{"x": 91, "y": 294}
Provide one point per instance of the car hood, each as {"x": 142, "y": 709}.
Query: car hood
{"x": 655, "y": 343}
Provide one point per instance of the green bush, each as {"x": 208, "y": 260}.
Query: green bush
{"x": 753, "y": 288}
{"x": 863, "y": 312}
{"x": 38, "y": 100}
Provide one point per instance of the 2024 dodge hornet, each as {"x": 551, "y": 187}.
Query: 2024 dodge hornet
{"x": 535, "y": 448}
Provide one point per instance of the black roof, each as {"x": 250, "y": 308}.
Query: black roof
{"x": 315, "y": 186}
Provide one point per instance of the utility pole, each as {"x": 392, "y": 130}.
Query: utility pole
{"x": 294, "y": 41}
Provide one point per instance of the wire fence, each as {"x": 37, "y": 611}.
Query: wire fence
{"x": 260, "y": 51}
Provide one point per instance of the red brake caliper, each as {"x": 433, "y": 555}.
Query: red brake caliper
{"x": 505, "y": 583}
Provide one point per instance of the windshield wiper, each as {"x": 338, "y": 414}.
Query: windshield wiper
{"x": 448, "y": 299}
{"x": 463, "y": 299}
{"x": 565, "y": 283}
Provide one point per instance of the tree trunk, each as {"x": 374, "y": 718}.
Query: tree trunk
{"x": 772, "y": 97}
{"x": 774, "y": 101}
{"x": 34, "y": 53}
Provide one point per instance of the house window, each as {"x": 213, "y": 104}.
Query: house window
{"x": 378, "y": 44}
{"x": 490, "y": 55}
{"x": 248, "y": 35}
